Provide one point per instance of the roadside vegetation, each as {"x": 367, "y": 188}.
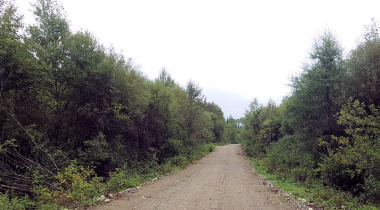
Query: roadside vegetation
{"x": 323, "y": 140}
{"x": 78, "y": 120}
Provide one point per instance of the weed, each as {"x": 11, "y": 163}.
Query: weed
{"x": 310, "y": 189}
{"x": 15, "y": 203}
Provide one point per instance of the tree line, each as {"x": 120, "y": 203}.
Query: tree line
{"x": 67, "y": 101}
{"x": 327, "y": 130}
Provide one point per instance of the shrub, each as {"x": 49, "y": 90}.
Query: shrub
{"x": 254, "y": 148}
{"x": 209, "y": 148}
{"x": 165, "y": 168}
{"x": 7, "y": 203}
{"x": 180, "y": 161}
{"x": 173, "y": 147}
{"x": 353, "y": 164}
{"x": 288, "y": 156}
{"x": 76, "y": 186}
{"x": 337, "y": 199}
{"x": 120, "y": 180}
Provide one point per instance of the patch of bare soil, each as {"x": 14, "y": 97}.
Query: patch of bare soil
{"x": 223, "y": 179}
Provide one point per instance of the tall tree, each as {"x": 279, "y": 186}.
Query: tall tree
{"x": 20, "y": 136}
{"x": 316, "y": 91}
{"x": 48, "y": 39}
{"x": 166, "y": 78}
{"x": 364, "y": 67}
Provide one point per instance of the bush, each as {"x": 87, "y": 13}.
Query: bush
{"x": 76, "y": 186}
{"x": 180, "y": 161}
{"x": 288, "y": 156}
{"x": 7, "y": 203}
{"x": 165, "y": 168}
{"x": 208, "y": 148}
{"x": 353, "y": 161}
{"x": 254, "y": 148}
{"x": 120, "y": 180}
{"x": 172, "y": 148}
{"x": 337, "y": 199}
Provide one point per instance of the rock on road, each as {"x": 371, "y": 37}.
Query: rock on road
{"x": 223, "y": 179}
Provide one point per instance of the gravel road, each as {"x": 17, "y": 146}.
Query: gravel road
{"x": 223, "y": 179}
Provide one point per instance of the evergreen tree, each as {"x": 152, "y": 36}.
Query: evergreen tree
{"x": 316, "y": 92}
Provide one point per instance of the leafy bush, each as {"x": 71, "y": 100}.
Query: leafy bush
{"x": 120, "y": 180}
{"x": 209, "y": 148}
{"x": 254, "y": 148}
{"x": 353, "y": 164}
{"x": 288, "y": 156}
{"x": 7, "y": 203}
{"x": 337, "y": 199}
{"x": 173, "y": 147}
{"x": 180, "y": 161}
{"x": 165, "y": 168}
{"x": 76, "y": 186}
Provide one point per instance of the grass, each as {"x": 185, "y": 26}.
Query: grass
{"x": 321, "y": 196}
{"x": 287, "y": 185}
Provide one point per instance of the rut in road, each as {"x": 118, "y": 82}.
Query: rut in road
{"x": 223, "y": 179}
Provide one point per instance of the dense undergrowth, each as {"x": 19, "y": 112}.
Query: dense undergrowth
{"x": 77, "y": 186}
{"x": 314, "y": 192}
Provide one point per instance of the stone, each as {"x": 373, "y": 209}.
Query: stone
{"x": 101, "y": 198}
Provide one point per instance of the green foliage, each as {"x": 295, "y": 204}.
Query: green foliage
{"x": 15, "y": 203}
{"x": 173, "y": 164}
{"x": 261, "y": 127}
{"x": 322, "y": 196}
{"x": 208, "y": 148}
{"x": 305, "y": 140}
{"x": 172, "y": 148}
{"x": 181, "y": 161}
{"x": 121, "y": 180}
{"x": 166, "y": 168}
{"x": 363, "y": 80}
{"x": 287, "y": 184}
{"x": 178, "y": 161}
{"x": 337, "y": 199}
{"x": 310, "y": 110}
{"x": 233, "y": 129}
{"x": 76, "y": 186}
{"x": 96, "y": 151}
{"x": 73, "y": 111}
{"x": 289, "y": 156}
{"x": 354, "y": 164}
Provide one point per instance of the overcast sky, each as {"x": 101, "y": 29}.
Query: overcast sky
{"x": 234, "y": 49}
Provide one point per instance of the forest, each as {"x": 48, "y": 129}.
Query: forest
{"x": 326, "y": 133}
{"x": 79, "y": 120}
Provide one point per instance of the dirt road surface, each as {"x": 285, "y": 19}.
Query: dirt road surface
{"x": 223, "y": 179}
